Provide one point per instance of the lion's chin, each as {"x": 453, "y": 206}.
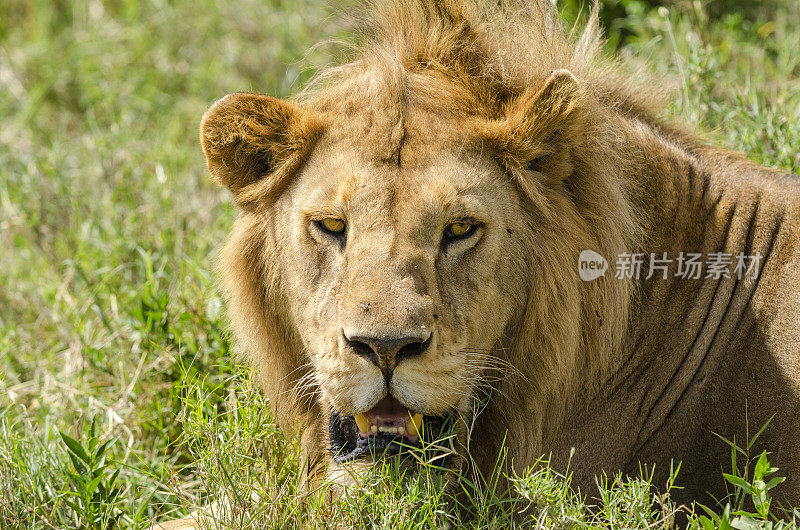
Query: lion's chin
{"x": 387, "y": 429}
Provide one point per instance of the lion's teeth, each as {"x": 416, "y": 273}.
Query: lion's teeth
{"x": 411, "y": 428}
{"x": 388, "y": 429}
{"x": 414, "y": 425}
{"x": 362, "y": 422}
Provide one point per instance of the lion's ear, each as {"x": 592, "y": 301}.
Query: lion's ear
{"x": 246, "y": 137}
{"x": 542, "y": 123}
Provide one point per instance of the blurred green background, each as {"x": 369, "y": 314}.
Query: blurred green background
{"x": 109, "y": 222}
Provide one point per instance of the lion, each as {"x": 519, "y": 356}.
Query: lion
{"x": 408, "y": 255}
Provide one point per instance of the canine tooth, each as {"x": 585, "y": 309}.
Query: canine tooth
{"x": 374, "y": 429}
{"x": 414, "y": 425}
{"x": 362, "y": 422}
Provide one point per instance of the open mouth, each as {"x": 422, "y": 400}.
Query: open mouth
{"x": 388, "y": 428}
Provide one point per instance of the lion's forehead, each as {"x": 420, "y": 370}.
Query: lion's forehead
{"x": 383, "y": 129}
{"x": 405, "y": 197}
{"x": 431, "y": 173}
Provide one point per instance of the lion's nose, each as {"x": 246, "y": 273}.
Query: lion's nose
{"x": 386, "y": 350}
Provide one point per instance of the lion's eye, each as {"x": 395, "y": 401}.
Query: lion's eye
{"x": 460, "y": 230}
{"x": 332, "y": 226}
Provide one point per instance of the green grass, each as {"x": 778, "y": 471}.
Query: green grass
{"x": 111, "y": 331}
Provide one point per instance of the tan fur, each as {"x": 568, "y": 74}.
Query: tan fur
{"x": 462, "y": 108}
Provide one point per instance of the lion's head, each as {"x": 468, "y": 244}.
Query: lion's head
{"x": 409, "y": 229}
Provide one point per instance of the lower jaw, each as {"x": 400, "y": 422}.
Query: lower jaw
{"x": 347, "y": 444}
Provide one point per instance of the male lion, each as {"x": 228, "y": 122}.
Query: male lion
{"x": 407, "y": 250}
